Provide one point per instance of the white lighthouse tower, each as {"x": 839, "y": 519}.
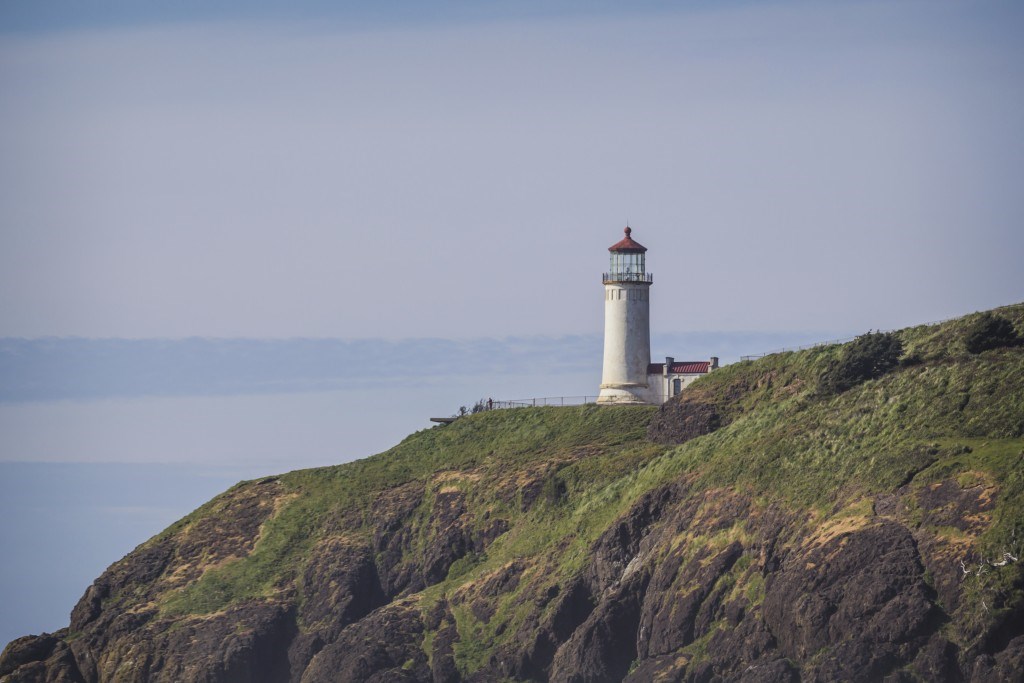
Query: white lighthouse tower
{"x": 627, "y": 325}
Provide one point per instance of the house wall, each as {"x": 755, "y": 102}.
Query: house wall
{"x": 660, "y": 386}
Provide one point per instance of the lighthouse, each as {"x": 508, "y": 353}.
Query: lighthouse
{"x": 627, "y": 325}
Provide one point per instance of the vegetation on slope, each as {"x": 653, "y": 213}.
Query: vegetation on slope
{"x": 949, "y": 412}
{"x": 493, "y": 446}
{"x": 510, "y": 527}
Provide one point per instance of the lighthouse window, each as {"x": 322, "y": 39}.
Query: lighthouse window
{"x": 677, "y": 386}
{"x": 629, "y": 265}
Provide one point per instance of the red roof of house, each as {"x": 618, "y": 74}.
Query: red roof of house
{"x": 685, "y": 368}
{"x": 627, "y": 245}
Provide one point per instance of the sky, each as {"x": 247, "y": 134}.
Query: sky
{"x": 238, "y": 238}
{"x": 233, "y": 171}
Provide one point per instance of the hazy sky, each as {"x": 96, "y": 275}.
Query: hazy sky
{"x": 459, "y": 169}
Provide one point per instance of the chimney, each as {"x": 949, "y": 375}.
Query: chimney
{"x": 669, "y": 360}
{"x": 714, "y": 363}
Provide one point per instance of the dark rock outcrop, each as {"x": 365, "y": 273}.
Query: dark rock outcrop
{"x": 384, "y": 646}
{"x": 340, "y": 586}
{"x": 604, "y": 645}
{"x": 38, "y": 659}
{"x": 858, "y": 604}
{"x": 690, "y": 415}
{"x": 689, "y": 586}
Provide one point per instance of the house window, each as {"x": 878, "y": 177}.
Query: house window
{"x": 677, "y": 386}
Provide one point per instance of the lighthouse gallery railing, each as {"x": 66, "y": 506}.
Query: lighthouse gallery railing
{"x": 627, "y": 277}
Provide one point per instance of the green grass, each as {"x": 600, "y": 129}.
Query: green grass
{"x": 952, "y": 414}
{"x": 494, "y": 445}
{"x": 813, "y": 451}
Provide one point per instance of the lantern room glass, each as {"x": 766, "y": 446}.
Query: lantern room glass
{"x": 627, "y": 266}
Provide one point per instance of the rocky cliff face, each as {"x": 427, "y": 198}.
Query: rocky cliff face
{"x": 790, "y": 536}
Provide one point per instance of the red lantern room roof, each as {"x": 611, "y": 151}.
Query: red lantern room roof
{"x": 627, "y": 245}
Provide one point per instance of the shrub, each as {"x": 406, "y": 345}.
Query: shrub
{"x": 912, "y": 359}
{"x": 991, "y": 331}
{"x": 554, "y": 491}
{"x": 478, "y": 407}
{"x": 868, "y": 356}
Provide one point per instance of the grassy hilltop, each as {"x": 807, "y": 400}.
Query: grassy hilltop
{"x": 771, "y": 523}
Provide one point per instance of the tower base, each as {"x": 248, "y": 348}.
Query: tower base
{"x": 624, "y": 394}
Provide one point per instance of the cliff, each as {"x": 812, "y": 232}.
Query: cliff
{"x": 779, "y": 521}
